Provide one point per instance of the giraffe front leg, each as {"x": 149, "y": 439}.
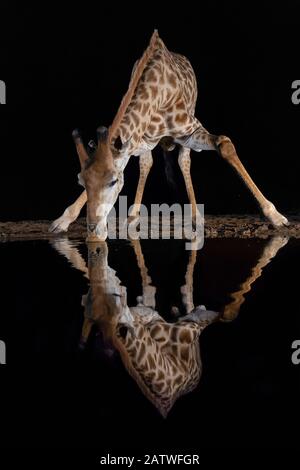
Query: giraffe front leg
{"x": 228, "y": 152}
{"x": 145, "y": 162}
{"x": 203, "y": 140}
{"x": 70, "y": 215}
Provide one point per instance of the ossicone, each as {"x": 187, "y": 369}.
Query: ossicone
{"x": 76, "y": 135}
{"x": 102, "y": 133}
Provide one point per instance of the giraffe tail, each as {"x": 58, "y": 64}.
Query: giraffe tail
{"x": 169, "y": 164}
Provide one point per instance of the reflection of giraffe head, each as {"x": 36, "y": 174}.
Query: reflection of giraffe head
{"x": 163, "y": 358}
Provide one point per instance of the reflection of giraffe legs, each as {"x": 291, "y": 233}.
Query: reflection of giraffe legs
{"x": 187, "y": 289}
{"x": 270, "y": 251}
{"x": 146, "y": 162}
{"x": 197, "y": 314}
{"x": 69, "y": 250}
{"x": 148, "y": 298}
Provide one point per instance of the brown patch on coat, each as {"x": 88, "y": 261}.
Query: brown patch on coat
{"x": 154, "y": 91}
{"x": 151, "y": 129}
{"x": 180, "y": 118}
{"x": 145, "y": 108}
{"x": 156, "y": 118}
{"x": 172, "y": 79}
{"x": 151, "y": 76}
{"x": 180, "y": 105}
{"x": 135, "y": 118}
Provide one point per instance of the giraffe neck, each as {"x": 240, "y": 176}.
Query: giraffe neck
{"x": 138, "y": 123}
{"x": 159, "y": 104}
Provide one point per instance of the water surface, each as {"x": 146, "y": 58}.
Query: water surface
{"x": 68, "y": 376}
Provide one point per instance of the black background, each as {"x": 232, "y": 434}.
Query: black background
{"x": 69, "y": 67}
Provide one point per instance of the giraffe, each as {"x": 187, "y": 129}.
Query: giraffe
{"x": 158, "y": 108}
{"x": 163, "y": 358}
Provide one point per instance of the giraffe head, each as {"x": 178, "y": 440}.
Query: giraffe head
{"x": 102, "y": 174}
{"x": 102, "y": 180}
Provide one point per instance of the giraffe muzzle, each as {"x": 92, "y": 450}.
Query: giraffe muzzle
{"x": 91, "y": 228}
{"x": 96, "y": 231}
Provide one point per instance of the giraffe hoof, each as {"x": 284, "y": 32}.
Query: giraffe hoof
{"x": 60, "y": 225}
{"x": 280, "y": 221}
{"x": 276, "y": 219}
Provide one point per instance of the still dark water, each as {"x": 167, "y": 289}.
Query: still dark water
{"x": 60, "y": 390}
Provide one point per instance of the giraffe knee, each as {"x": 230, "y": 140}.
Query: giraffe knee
{"x": 225, "y": 147}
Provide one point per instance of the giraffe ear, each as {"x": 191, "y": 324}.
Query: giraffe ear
{"x": 81, "y": 151}
{"x": 118, "y": 143}
{"x": 124, "y": 329}
{"x": 122, "y": 148}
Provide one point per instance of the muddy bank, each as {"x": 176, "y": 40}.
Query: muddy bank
{"x": 225, "y": 226}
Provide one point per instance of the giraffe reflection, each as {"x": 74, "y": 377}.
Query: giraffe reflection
{"x": 163, "y": 358}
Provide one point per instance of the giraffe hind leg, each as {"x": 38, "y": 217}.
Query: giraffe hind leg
{"x": 184, "y": 161}
{"x": 145, "y": 161}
